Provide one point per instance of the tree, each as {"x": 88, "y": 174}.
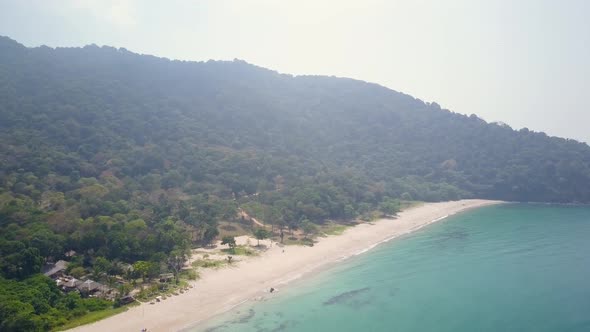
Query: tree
{"x": 210, "y": 233}
{"x": 101, "y": 266}
{"x": 17, "y": 316}
{"x": 142, "y": 268}
{"x": 21, "y": 264}
{"x": 308, "y": 228}
{"x": 390, "y": 206}
{"x": 176, "y": 261}
{"x": 124, "y": 289}
{"x": 48, "y": 243}
{"x": 261, "y": 234}
{"x": 230, "y": 241}
{"x": 78, "y": 272}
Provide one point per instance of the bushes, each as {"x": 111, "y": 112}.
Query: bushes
{"x": 94, "y": 304}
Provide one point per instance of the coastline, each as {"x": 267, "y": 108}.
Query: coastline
{"x": 219, "y": 291}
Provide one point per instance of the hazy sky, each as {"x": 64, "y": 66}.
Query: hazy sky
{"x": 523, "y": 62}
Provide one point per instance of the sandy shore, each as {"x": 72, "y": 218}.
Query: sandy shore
{"x": 220, "y": 290}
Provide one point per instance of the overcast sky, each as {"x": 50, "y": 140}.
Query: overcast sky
{"x": 525, "y": 62}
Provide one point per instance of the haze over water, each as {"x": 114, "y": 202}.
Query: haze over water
{"x": 514, "y": 267}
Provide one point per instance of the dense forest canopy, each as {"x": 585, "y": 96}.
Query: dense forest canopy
{"x": 128, "y": 157}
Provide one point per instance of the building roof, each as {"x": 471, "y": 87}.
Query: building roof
{"x": 72, "y": 283}
{"x": 90, "y": 286}
{"x": 53, "y": 268}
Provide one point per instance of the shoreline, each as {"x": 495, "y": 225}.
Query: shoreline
{"x": 218, "y": 291}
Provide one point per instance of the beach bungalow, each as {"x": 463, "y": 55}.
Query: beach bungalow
{"x": 93, "y": 288}
{"x": 54, "y": 270}
{"x": 71, "y": 285}
{"x": 88, "y": 286}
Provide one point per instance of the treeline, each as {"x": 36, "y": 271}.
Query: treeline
{"x": 128, "y": 158}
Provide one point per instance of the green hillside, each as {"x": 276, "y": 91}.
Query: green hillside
{"x": 131, "y": 157}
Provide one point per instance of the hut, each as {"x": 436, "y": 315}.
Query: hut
{"x": 93, "y": 288}
{"x": 71, "y": 284}
{"x": 55, "y": 270}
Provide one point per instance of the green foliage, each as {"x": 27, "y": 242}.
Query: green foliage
{"x": 17, "y": 260}
{"x": 147, "y": 270}
{"x": 261, "y": 234}
{"x": 36, "y": 304}
{"x": 333, "y": 229}
{"x": 176, "y": 260}
{"x": 308, "y": 228}
{"x": 241, "y": 251}
{"x": 230, "y": 241}
{"x": 209, "y": 263}
{"x": 390, "y": 206}
{"x": 190, "y": 274}
{"x": 78, "y": 272}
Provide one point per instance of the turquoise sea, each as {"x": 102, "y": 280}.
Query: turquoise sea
{"x": 512, "y": 267}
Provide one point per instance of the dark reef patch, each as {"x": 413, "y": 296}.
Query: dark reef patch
{"x": 444, "y": 239}
{"x": 244, "y": 318}
{"x": 347, "y": 297}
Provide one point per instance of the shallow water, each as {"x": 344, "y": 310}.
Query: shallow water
{"x": 514, "y": 267}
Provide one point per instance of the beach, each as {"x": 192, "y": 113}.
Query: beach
{"x": 219, "y": 290}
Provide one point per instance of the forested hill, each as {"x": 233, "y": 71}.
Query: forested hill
{"x": 223, "y": 127}
{"x": 107, "y": 151}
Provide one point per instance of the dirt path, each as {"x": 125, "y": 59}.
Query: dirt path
{"x": 244, "y": 215}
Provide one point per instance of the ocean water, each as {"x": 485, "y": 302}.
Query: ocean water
{"x": 513, "y": 267}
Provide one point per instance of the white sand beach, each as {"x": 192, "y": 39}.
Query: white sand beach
{"x": 220, "y": 290}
